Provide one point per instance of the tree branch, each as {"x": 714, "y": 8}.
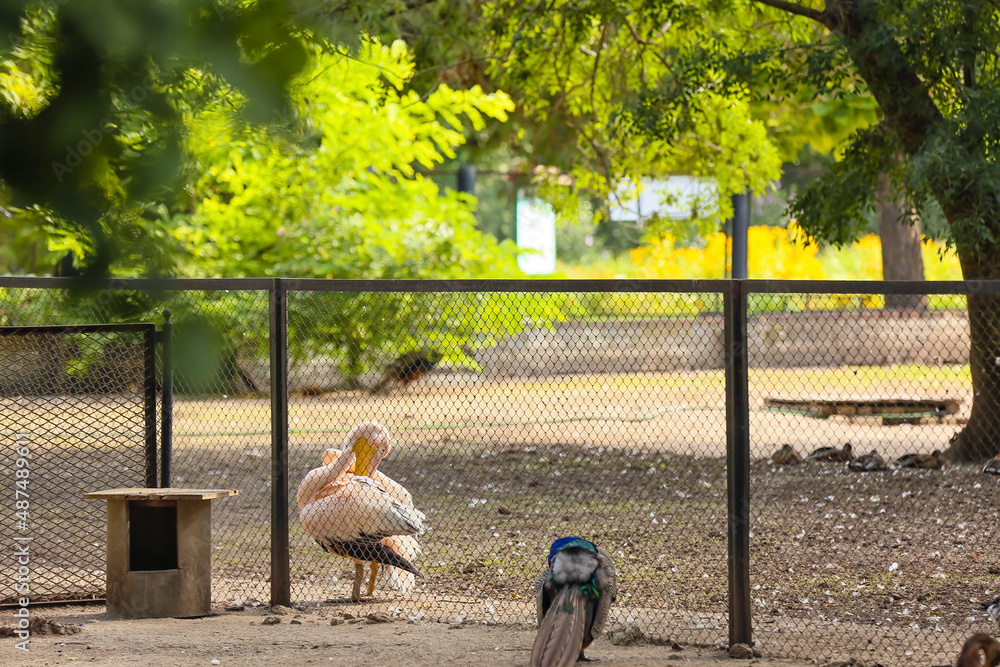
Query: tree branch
{"x": 409, "y": 6}
{"x": 798, "y": 10}
{"x": 597, "y": 65}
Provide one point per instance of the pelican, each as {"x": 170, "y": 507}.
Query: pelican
{"x": 394, "y": 488}
{"x": 354, "y": 511}
{"x": 399, "y": 580}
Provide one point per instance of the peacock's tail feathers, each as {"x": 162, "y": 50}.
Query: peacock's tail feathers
{"x": 539, "y": 595}
{"x": 607, "y": 584}
{"x": 560, "y": 634}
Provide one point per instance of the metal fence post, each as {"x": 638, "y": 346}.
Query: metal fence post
{"x": 167, "y": 402}
{"x": 738, "y": 462}
{"x": 278, "y": 342}
{"x": 149, "y": 401}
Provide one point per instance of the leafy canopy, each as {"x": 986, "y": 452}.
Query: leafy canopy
{"x": 334, "y": 191}
{"x": 683, "y": 85}
{"x": 616, "y": 71}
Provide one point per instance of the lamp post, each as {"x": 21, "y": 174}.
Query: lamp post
{"x": 740, "y": 225}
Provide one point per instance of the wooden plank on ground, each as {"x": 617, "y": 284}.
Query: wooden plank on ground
{"x": 866, "y": 405}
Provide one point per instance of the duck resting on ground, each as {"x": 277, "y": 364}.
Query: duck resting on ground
{"x": 868, "y": 462}
{"x": 786, "y": 456}
{"x": 573, "y": 599}
{"x": 349, "y": 512}
{"x": 845, "y": 453}
{"x": 992, "y": 466}
{"x": 934, "y": 460}
{"x": 993, "y": 611}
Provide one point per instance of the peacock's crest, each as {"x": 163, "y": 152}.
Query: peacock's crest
{"x": 569, "y": 543}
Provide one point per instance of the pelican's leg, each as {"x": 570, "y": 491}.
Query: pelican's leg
{"x": 371, "y": 579}
{"x": 359, "y": 574}
{"x": 584, "y": 658}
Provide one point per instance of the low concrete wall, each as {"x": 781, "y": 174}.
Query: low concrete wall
{"x": 871, "y": 337}
{"x": 609, "y": 347}
{"x": 812, "y": 338}
{"x": 39, "y": 365}
{"x": 777, "y": 340}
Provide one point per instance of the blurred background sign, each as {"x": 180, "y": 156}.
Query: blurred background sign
{"x": 536, "y": 230}
{"x": 678, "y": 197}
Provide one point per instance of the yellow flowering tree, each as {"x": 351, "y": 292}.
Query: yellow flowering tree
{"x": 779, "y": 254}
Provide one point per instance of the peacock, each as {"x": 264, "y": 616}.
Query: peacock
{"x": 574, "y": 596}
{"x": 407, "y": 368}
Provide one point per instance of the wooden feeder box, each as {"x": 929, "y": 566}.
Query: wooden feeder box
{"x": 159, "y": 553}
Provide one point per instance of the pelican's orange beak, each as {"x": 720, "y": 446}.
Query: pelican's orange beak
{"x": 364, "y": 457}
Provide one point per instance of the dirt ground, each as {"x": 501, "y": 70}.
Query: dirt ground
{"x": 301, "y": 638}
{"x": 889, "y": 567}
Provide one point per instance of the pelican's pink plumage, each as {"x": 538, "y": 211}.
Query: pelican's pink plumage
{"x": 353, "y": 510}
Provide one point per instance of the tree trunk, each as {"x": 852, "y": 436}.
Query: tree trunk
{"x": 909, "y": 110}
{"x": 979, "y": 439}
{"x": 902, "y": 259}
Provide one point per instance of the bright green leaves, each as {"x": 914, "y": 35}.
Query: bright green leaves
{"x": 642, "y": 86}
{"x": 25, "y": 66}
{"x": 344, "y": 198}
{"x": 89, "y": 128}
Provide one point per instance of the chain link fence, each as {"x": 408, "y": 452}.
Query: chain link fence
{"x": 221, "y": 421}
{"x": 863, "y": 545}
{"x": 77, "y": 406}
{"x": 512, "y": 425}
{"x": 523, "y": 411}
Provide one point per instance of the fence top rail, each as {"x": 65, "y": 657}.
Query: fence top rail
{"x": 921, "y": 287}
{"x": 373, "y": 285}
{"x": 954, "y": 287}
{"x": 56, "y": 329}
{"x": 507, "y": 285}
{"x": 137, "y": 284}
